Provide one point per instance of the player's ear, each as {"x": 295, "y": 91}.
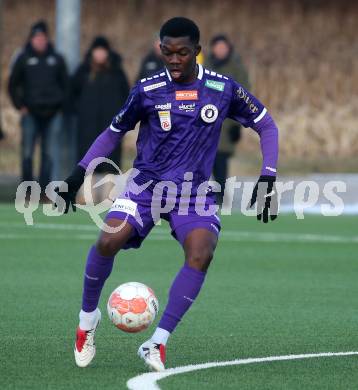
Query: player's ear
{"x": 197, "y": 50}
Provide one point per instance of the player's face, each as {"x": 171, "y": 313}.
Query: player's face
{"x": 179, "y": 56}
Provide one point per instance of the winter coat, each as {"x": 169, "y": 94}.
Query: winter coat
{"x": 39, "y": 81}
{"x": 98, "y": 97}
{"x": 150, "y": 65}
{"x": 234, "y": 68}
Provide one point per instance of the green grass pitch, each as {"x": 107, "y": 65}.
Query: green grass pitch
{"x": 289, "y": 287}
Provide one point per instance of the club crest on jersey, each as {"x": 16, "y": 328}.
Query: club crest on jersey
{"x": 165, "y": 120}
{"x": 209, "y": 113}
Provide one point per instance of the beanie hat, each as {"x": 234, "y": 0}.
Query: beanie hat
{"x": 39, "y": 27}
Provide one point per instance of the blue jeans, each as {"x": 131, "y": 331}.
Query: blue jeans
{"x": 48, "y": 129}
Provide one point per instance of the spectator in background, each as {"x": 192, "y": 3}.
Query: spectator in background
{"x": 152, "y": 62}
{"x": 38, "y": 87}
{"x": 100, "y": 87}
{"x": 223, "y": 59}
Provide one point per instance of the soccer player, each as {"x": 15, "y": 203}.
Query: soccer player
{"x": 180, "y": 110}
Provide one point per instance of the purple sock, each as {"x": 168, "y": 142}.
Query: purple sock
{"x": 184, "y": 290}
{"x": 98, "y": 268}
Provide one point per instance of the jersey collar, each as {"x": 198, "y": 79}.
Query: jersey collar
{"x": 200, "y": 72}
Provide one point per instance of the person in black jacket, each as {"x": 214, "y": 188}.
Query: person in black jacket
{"x": 38, "y": 87}
{"x": 152, "y": 62}
{"x": 99, "y": 87}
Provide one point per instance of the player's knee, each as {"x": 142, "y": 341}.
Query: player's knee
{"x": 107, "y": 246}
{"x": 201, "y": 259}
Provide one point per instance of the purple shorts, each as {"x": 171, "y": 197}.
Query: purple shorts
{"x": 142, "y": 212}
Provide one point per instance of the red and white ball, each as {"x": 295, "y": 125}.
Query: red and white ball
{"x": 132, "y": 307}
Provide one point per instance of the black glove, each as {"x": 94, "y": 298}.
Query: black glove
{"x": 74, "y": 182}
{"x": 234, "y": 134}
{"x": 265, "y": 195}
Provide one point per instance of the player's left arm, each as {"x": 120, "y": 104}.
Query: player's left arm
{"x": 250, "y": 112}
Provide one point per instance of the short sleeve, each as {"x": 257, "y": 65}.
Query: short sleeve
{"x": 130, "y": 113}
{"x": 245, "y": 108}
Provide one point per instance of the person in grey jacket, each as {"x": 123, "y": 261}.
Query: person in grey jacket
{"x": 224, "y": 60}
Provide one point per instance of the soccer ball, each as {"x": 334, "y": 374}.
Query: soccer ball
{"x": 132, "y": 307}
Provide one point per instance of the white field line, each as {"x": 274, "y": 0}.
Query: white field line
{"x": 51, "y": 226}
{"x": 167, "y": 237}
{"x": 286, "y": 237}
{"x": 148, "y": 381}
{"x": 32, "y": 237}
{"x": 160, "y": 234}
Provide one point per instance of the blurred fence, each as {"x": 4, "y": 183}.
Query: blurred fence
{"x": 302, "y": 58}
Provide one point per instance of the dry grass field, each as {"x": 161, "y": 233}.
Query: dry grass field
{"x": 302, "y": 58}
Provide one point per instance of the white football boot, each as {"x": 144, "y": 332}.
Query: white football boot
{"x": 85, "y": 347}
{"x": 153, "y": 355}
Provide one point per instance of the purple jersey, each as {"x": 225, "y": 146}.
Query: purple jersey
{"x": 180, "y": 123}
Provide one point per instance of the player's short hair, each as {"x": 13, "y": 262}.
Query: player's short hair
{"x": 180, "y": 27}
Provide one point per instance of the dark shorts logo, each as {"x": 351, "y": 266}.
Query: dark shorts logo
{"x": 209, "y": 113}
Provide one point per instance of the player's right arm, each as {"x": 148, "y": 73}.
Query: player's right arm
{"x": 103, "y": 146}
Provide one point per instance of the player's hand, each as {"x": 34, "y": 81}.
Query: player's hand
{"x": 68, "y": 196}
{"x": 265, "y": 194}
{"x": 74, "y": 182}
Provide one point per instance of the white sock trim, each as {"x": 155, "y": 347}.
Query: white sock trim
{"x": 88, "y": 320}
{"x": 160, "y": 336}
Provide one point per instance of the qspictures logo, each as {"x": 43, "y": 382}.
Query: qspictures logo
{"x": 301, "y": 196}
